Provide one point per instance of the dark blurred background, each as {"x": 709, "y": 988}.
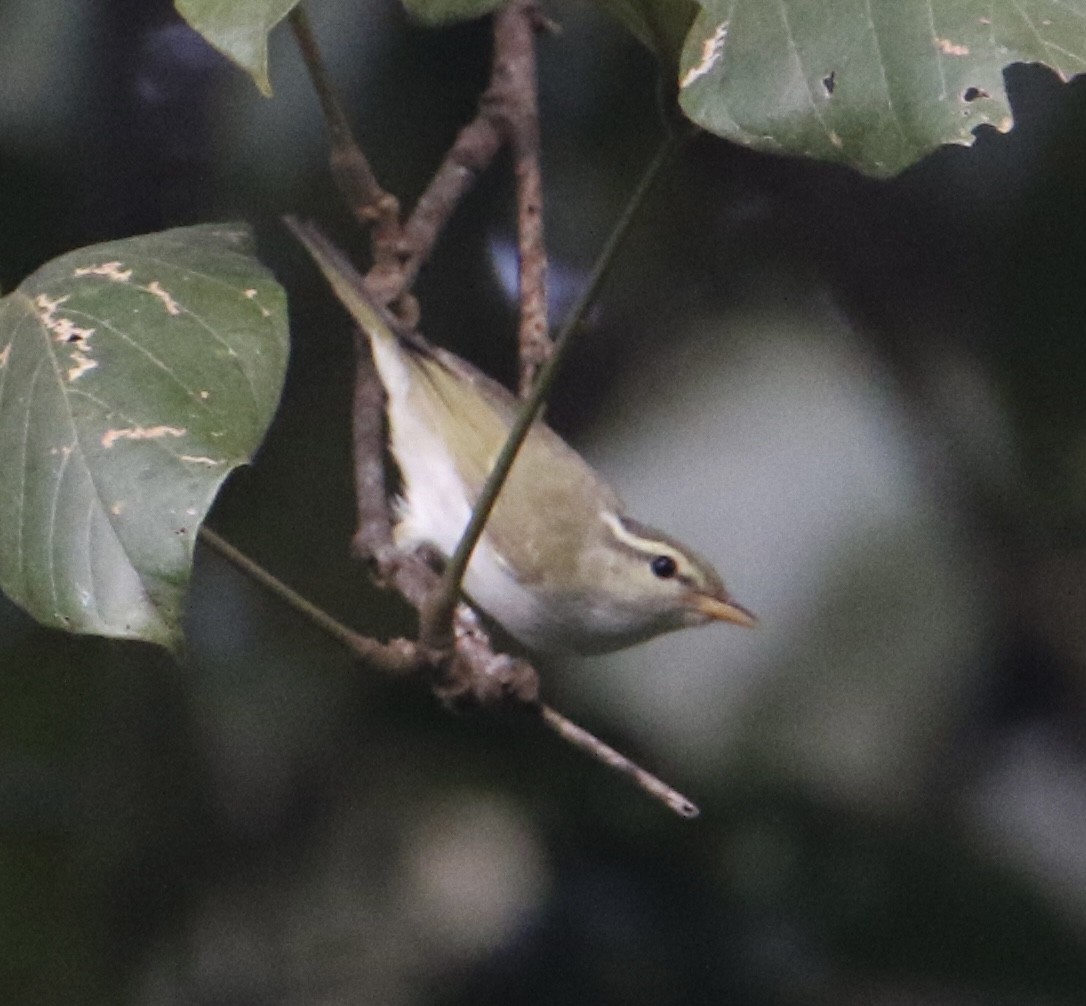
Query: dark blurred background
{"x": 862, "y": 400}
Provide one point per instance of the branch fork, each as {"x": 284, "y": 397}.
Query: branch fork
{"x": 453, "y": 648}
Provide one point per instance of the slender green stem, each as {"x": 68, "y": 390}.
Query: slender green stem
{"x": 398, "y": 656}
{"x": 439, "y": 616}
{"x": 351, "y": 169}
{"x": 318, "y": 616}
{"x": 334, "y": 116}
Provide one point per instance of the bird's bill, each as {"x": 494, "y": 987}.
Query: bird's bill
{"x": 721, "y": 610}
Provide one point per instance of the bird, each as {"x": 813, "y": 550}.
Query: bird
{"x": 560, "y": 566}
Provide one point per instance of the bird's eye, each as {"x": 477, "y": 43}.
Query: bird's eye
{"x": 664, "y": 567}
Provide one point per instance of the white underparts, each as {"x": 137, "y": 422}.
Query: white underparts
{"x": 434, "y": 508}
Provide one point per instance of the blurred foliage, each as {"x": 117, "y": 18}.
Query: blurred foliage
{"x": 868, "y": 391}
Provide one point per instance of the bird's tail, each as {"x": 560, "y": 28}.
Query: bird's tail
{"x": 346, "y": 281}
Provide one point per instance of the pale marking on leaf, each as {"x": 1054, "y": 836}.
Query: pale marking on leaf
{"x": 63, "y": 329}
{"x": 190, "y": 512}
{"x": 117, "y": 509}
{"x": 1004, "y": 125}
{"x": 711, "y": 51}
{"x": 836, "y": 140}
{"x": 201, "y": 460}
{"x": 251, "y": 295}
{"x": 948, "y": 48}
{"x": 204, "y": 395}
{"x": 110, "y": 270}
{"x": 110, "y": 437}
{"x": 171, "y": 305}
{"x": 4, "y": 354}
{"x": 82, "y": 362}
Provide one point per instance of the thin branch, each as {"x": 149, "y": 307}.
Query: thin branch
{"x": 351, "y": 170}
{"x": 476, "y": 145}
{"x": 474, "y": 671}
{"x": 515, "y": 26}
{"x": 494, "y": 677}
{"x": 533, "y": 339}
{"x": 373, "y": 537}
{"x": 397, "y": 657}
{"x": 506, "y": 114}
{"x": 591, "y": 745}
{"x": 480, "y": 673}
{"x": 438, "y": 613}
{"x": 409, "y": 574}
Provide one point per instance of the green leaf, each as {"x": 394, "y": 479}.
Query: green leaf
{"x": 876, "y": 84}
{"x": 434, "y": 12}
{"x": 134, "y": 376}
{"x": 661, "y": 25}
{"x": 239, "y": 30}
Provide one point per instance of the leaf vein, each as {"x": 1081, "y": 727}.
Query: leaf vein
{"x": 1041, "y": 41}
{"x": 937, "y": 52}
{"x": 51, "y": 528}
{"x": 802, "y": 69}
{"x": 882, "y": 73}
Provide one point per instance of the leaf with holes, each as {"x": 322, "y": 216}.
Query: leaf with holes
{"x": 876, "y": 84}
{"x": 239, "y": 30}
{"x": 134, "y": 376}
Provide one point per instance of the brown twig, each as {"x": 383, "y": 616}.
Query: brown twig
{"x": 476, "y": 145}
{"x": 515, "y": 95}
{"x": 373, "y": 537}
{"x": 472, "y": 672}
{"x": 591, "y": 745}
{"x": 475, "y": 670}
{"x": 370, "y": 203}
{"x": 373, "y": 541}
{"x": 478, "y": 675}
{"x": 507, "y": 111}
{"x": 399, "y": 656}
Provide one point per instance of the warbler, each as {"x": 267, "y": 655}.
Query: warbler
{"x": 560, "y": 566}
